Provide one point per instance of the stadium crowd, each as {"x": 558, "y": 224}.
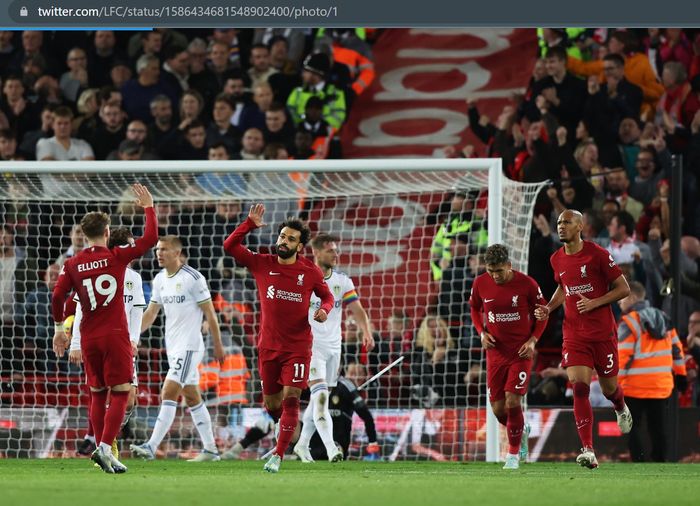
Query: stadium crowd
{"x": 602, "y": 117}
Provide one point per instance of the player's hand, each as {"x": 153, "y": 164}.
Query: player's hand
{"x": 368, "y": 342}
{"x": 585, "y": 305}
{"x": 134, "y": 348}
{"x": 219, "y": 353}
{"x": 321, "y": 316}
{"x": 487, "y": 340}
{"x": 143, "y": 196}
{"x": 527, "y": 350}
{"x": 75, "y": 357}
{"x": 541, "y": 312}
{"x": 256, "y": 215}
{"x": 60, "y": 343}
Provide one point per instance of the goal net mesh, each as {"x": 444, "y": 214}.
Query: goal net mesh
{"x": 412, "y": 278}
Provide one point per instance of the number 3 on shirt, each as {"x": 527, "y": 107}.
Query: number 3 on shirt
{"x": 299, "y": 372}
{"x": 105, "y": 284}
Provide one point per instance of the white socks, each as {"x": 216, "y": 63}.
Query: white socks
{"x": 318, "y": 418}
{"x": 166, "y": 415}
{"x": 308, "y": 428}
{"x": 202, "y": 421}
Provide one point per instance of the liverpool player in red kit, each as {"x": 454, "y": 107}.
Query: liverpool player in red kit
{"x": 97, "y": 275}
{"x": 508, "y": 299}
{"x": 285, "y": 282}
{"x": 589, "y": 281}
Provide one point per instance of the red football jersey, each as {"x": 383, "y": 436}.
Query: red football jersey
{"x": 509, "y": 309}
{"x": 589, "y": 273}
{"x": 284, "y": 292}
{"x": 97, "y": 276}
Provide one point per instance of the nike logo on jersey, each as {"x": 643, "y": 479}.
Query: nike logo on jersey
{"x": 562, "y": 273}
{"x": 274, "y": 273}
{"x": 486, "y": 301}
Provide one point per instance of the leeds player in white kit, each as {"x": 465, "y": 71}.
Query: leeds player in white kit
{"x": 134, "y": 302}
{"x": 185, "y": 297}
{"x": 326, "y": 349}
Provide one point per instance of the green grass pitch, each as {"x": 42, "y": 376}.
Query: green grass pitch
{"x": 165, "y": 482}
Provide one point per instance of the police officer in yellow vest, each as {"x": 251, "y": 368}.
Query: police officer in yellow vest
{"x": 314, "y": 73}
{"x": 651, "y": 363}
{"x": 459, "y": 221}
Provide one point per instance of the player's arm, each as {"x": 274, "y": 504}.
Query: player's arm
{"x": 535, "y": 298}
{"x": 58, "y": 299}
{"x": 620, "y": 290}
{"x": 233, "y": 245}
{"x": 476, "y": 311}
{"x": 149, "y": 316}
{"x": 75, "y": 355}
{"x": 213, "y": 321}
{"x": 150, "y": 232}
{"x": 360, "y": 315}
{"x": 542, "y": 312}
{"x": 323, "y": 292}
{"x": 360, "y": 407}
{"x": 135, "y": 320}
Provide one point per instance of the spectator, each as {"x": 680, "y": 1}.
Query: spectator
{"x": 287, "y": 46}
{"x": 277, "y": 128}
{"x": 8, "y": 146}
{"x": 87, "y": 119}
{"x": 22, "y": 115}
{"x": 260, "y": 65}
{"x": 162, "y": 130}
{"x": 193, "y": 145}
{"x": 618, "y": 184}
{"x": 139, "y": 92}
{"x": 668, "y": 110}
{"x": 234, "y": 49}
{"x": 253, "y": 115}
{"x": 75, "y": 80}
{"x": 220, "y": 184}
{"x": 32, "y": 42}
{"x": 275, "y": 151}
{"x": 191, "y": 107}
{"x": 176, "y": 71}
{"x": 136, "y": 132}
{"x": 453, "y": 305}
{"x": 221, "y": 130}
{"x": 101, "y": 57}
{"x": 316, "y": 68}
{"x": 313, "y": 121}
{"x": 303, "y": 145}
{"x": 62, "y": 146}
{"x": 675, "y": 47}
{"x": 151, "y": 45}
{"x": 110, "y": 132}
{"x": 235, "y": 88}
{"x": 128, "y": 151}
{"x": 77, "y": 244}
{"x": 643, "y": 188}
{"x": 693, "y": 346}
{"x": 253, "y": 145}
{"x": 120, "y": 73}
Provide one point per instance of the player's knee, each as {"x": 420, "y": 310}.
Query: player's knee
{"x": 581, "y": 390}
{"x": 512, "y": 401}
{"x": 272, "y": 405}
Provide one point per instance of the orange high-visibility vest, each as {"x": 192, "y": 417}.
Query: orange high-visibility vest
{"x": 647, "y": 365}
{"x": 229, "y": 380}
{"x": 361, "y": 67}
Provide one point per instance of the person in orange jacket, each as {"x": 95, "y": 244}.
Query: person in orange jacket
{"x": 651, "y": 364}
{"x": 638, "y": 70}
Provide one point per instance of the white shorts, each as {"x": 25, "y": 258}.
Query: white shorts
{"x": 325, "y": 365}
{"x": 183, "y": 367}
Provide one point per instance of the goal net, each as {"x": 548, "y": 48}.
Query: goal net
{"x": 411, "y": 233}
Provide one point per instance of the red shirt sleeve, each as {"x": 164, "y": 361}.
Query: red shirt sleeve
{"x": 475, "y": 304}
{"x": 149, "y": 239}
{"x": 233, "y": 245}
{"x": 58, "y": 299}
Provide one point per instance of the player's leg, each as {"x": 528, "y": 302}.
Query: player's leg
{"x": 580, "y": 378}
{"x": 166, "y": 415}
{"x": 496, "y": 377}
{"x": 607, "y": 366}
{"x": 202, "y": 422}
{"x": 322, "y": 416}
{"x": 88, "y": 444}
{"x": 657, "y": 410}
{"x": 261, "y": 428}
{"x": 308, "y": 429}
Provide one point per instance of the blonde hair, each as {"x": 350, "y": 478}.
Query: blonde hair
{"x": 425, "y": 338}
{"x": 84, "y": 98}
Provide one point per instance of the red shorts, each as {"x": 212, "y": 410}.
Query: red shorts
{"x": 507, "y": 376}
{"x": 108, "y": 361}
{"x": 282, "y": 369}
{"x": 598, "y": 355}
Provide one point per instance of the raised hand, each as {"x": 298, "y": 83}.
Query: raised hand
{"x": 143, "y": 196}
{"x": 256, "y": 214}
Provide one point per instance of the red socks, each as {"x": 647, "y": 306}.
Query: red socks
{"x": 617, "y": 398}
{"x": 514, "y": 427}
{"x": 288, "y": 423}
{"x": 583, "y": 413}
{"x": 90, "y": 429}
{"x": 503, "y": 419}
{"x": 114, "y": 416}
{"x": 98, "y": 401}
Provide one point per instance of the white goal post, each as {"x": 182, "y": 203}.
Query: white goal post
{"x": 393, "y": 197}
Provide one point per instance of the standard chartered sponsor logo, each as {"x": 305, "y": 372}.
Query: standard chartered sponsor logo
{"x": 272, "y": 293}
{"x": 577, "y": 289}
{"x": 503, "y": 317}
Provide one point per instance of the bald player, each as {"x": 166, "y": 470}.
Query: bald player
{"x": 588, "y": 281}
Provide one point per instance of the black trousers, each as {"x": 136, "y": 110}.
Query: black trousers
{"x": 655, "y": 413}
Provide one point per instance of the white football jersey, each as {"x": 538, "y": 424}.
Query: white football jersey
{"x": 328, "y": 333}
{"x": 180, "y": 295}
{"x": 133, "y": 297}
